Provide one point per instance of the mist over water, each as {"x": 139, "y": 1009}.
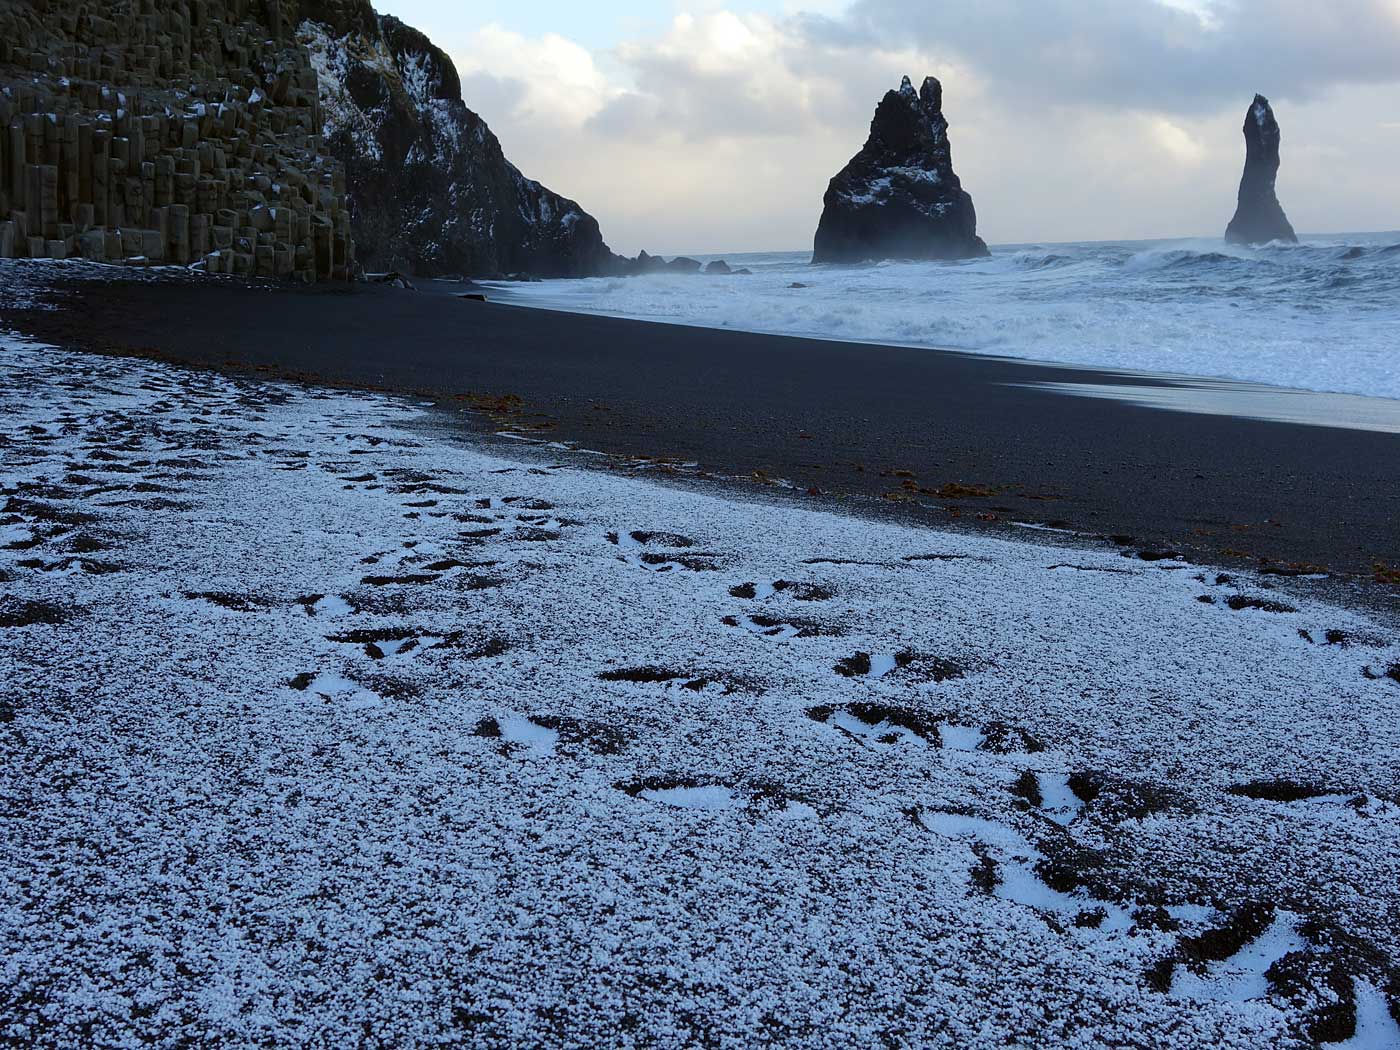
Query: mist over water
{"x": 1320, "y": 315}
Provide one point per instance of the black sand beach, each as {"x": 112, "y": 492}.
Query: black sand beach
{"x": 938, "y": 436}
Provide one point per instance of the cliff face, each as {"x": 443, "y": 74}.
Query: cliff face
{"x": 899, "y": 197}
{"x": 166, "y": 131}
{"x": 1259, "y": 217}
{"x": 263, "y": 138}
{"x": 431, "y": 190}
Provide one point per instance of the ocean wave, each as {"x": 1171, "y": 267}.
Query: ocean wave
{"x": 1184, "y": 258}
{"x": 1037, "y": 260}
{"x": 1318, "y": 315}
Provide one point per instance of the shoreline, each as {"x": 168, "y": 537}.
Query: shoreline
{"x": 505, "y": 294}
{"x": 941, "y": 436}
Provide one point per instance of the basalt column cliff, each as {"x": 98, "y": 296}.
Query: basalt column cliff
{"x": 262, "y": 138}
{"x": 899, "y": 197}
{"x": 166, "y": 131}
{"x": 1260, "y": 218}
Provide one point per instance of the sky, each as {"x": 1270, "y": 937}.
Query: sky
{"x": 707, "y": 126}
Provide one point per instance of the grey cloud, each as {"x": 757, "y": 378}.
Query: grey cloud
{"x": 495, "y": 98}
{"x": 816, "y": 75}
{"x": 630, "y": 115}
{"x": 1142, "y": 54}
{"x": 679, "y": 96}
{"x": 1127, "y": 55}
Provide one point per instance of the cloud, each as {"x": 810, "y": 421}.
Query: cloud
{"x": 722, "y": 74}
{"x": 725, "y": 75}
{"x": 1177, "y": 141}
{"x": 541, "y": 80}
{"x": 1184, "y": 56}
{"x": 1071, "y": 119}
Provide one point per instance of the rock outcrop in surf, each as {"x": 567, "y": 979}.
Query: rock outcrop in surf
{"x": 1260, "y": 218}
{"x": 899, "y": 197}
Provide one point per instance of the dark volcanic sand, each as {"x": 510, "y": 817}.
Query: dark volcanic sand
{"x": 841, "y": 418}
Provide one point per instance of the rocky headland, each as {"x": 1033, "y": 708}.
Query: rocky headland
{"x": 431, "y": 190}
{"x": 265, "y": 138}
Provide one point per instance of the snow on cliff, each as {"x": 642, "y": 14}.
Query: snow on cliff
{"x": 431, "y": 190}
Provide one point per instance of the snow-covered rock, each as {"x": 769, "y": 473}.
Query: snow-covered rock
{"x": 1260, "y": 218}
{"x": 431, "y": 190}
{"x": 899, "y": 197}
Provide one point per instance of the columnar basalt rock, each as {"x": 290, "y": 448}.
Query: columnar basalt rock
{"x": 899, "y": 197}
{"x": 180, "y": 132}
{"x": 1259, "y": 217}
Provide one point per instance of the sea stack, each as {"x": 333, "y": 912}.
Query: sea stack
{"x": 1260, "y": 218}
{"x": 899, "y": 197}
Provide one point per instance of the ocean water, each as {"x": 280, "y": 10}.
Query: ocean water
{"x": 1320, "y": 315}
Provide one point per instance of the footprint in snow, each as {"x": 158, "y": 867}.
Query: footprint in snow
{"x": 688, "y": 794}
{"x": 663, "y": 551}
{"x": 1110, "y": 797}
{"x": 1006, "y": 866}
{"x": 337, "y": 689}
{"x": 546, "y": 734}
{"x": 1392, "y": 673}
{"x": 802, "y": 592}
{"x": 1305, "y": 797}
{"x": 777, "y": 627}
{"x": 780, "y": 629}
{"x": 18, "y": 538}
{"x": 1050, "y": 795}
{"x": 1241, "y": 976}
{"x": 1242, "y": 602}
{"x": 527, "y": 503}
{"x": 865, "y": 665}
{"x": 523, "y": 735}
{"x": 1376, "y": 1027}
{"x": 327, "y": 605}
{"x": 907, "y": 662}
{"x": 381, "y": 643}
{"x": 1258, "y": 951}
{"x": 879, "y": 723}
{"x": 1340, "y": 639}
{"x": 889, "y": 724}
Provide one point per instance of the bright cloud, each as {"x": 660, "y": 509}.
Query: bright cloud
{"x": 1071, "y": 119}
{"x": 545, "y": 79}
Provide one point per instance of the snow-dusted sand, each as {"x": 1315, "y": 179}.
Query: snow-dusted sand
{"x": 320, "y": 727}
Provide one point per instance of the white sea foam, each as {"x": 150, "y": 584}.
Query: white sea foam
{"x": 1321, "y": 315}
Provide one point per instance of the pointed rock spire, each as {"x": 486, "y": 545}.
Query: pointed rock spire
{"x": 1259, "y": 217}
{"x": 899, "y": 197}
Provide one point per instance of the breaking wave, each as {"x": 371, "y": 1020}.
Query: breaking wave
{"x": 1323, "y": 314}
